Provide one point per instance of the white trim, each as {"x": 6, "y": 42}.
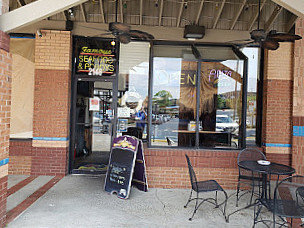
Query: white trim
{"x": 34, "y": 12}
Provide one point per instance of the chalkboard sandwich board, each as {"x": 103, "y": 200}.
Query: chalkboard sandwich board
{"x": 121, "y": 166}
{"x": 139, "y": 179}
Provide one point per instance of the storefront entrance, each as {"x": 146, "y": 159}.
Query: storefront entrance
{"x": 93, "y": 126}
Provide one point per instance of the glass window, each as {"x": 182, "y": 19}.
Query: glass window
{"x": 174, "y": 101}
{"x": 179, "y": 116}
{"x": 133, "y": 88}
{"x": 253, "y": 72}
{"x": 220, "y": 103}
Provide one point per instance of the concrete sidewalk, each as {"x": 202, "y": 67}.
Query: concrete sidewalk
{"x": 80, "y": 201}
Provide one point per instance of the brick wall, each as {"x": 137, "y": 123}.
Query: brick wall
{"x": 51, "y": 103}
{"x": 49, "y": 161}
{"x": 3, "y": 197}
{"x": 167, "y": 168}
{"x": 20, "y": 157}
{"x": 298, "y": 102}
{"x": 53, "y": 57}
{"x": 5, "y": 108}
{"x": 277, "y": 102}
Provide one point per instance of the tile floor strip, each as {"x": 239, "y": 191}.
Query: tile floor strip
{"x": 20, "y": 185}
{"x": 12, "y": 214}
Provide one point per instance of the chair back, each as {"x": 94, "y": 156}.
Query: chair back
{"x": 289, "y": 197}
{"x": 250, "y": 154}
{"x": 192, "y": 174}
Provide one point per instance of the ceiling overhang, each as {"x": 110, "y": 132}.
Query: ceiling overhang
{"x": 294, "y": 6}
{"x": 34, "y": 12}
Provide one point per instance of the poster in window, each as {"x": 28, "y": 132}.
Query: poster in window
{"x": 94, "y": 104}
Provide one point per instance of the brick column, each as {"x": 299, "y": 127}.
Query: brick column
{"x": 298, "y": 102}
{"x": 51, "y": 103}
{"x": 5, "y": 108}
{"x": 277, "y": 103}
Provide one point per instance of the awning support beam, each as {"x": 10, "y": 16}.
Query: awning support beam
{"x": 34, "y": 12}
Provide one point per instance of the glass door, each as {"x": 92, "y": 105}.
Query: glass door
{"x": 94, "y": 118}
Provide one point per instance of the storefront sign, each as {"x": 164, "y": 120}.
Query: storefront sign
{"x": 96, "y": 61}
{"x": 126, "y": 167}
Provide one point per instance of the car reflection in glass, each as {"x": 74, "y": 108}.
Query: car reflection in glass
{"x": 226, "y": 124}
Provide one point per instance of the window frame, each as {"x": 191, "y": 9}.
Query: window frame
{"x": 238, "y": 53}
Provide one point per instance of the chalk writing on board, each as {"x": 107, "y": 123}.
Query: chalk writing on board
{"x": 116, "y": 174}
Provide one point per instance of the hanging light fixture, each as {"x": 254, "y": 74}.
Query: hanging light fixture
{"x": 71, "y": 12}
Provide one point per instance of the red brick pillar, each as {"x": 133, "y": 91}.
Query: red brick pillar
{"x": 277, "y": 103}
{"x": 5, "y": 108}
{"x": 298, "y": 102}
{"x": 51, "y": 103}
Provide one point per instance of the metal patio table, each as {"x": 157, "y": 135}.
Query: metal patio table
{"x": 265, "y": 170}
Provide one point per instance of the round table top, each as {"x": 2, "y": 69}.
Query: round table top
{"x": 272, "y": 168}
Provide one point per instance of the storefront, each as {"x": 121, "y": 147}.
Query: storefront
{"x": 207, "y": 100}
{"x": 158, "y": 96}
{"x": 85, "y": 91}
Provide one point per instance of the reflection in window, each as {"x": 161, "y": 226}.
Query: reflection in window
{"x": 133, "y": 89}
{"x": 253, "y": 66}
{"x": 175, "y": 101}
{"x": 220, "y": 103}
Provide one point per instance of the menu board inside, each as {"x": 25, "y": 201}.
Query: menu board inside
{"x": 95, "y": 56}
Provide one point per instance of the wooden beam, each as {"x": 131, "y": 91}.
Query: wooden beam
{"x": 141, "y": 12}
{"x": 160, "y": 33}
{"x": 161, "y": 9}
{"x": 219, "y": 14}
{"x": 291, "y": 23}
{"x": 21, "y": 2}
{"x": 199, "y": 12}
{"x": 255, "y": 16}
{"x": 237, "y": 15}
{"x": 277, "y": 10}
{"x": 121, "y": 11}
{"x": 294, "y": 6}
{"x": 101, "y": 11}
{"x": 65, "y": 15}
{"x": 180, "y": 13}
{"x": 84, "y": 15}
{"x": 36, "y": 11}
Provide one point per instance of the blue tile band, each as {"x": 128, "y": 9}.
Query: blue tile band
{"x": 4, "y": 161}
{"x": 50, "y": 138}
{"x": 21, "y": 37}
{"x": 276, "y": 145}
{"x": 298, "y": 130}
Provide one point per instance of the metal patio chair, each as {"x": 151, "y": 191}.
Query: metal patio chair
{"x": 246, "y": 177}
{"x": 287, "y": 204}
{"x": 204, "y": 186}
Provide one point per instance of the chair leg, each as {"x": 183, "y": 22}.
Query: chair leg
{"x": 273, "y": 216}
{"x": 195, "y": 208}
{"x": 237, "y": 193}
{"x": 189, "y": 199}
{"x": 257, "y": 211}
{"x": 252, "y": 191}
{"x": 225, "y": 204}
{"x": 216, "y": 204}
